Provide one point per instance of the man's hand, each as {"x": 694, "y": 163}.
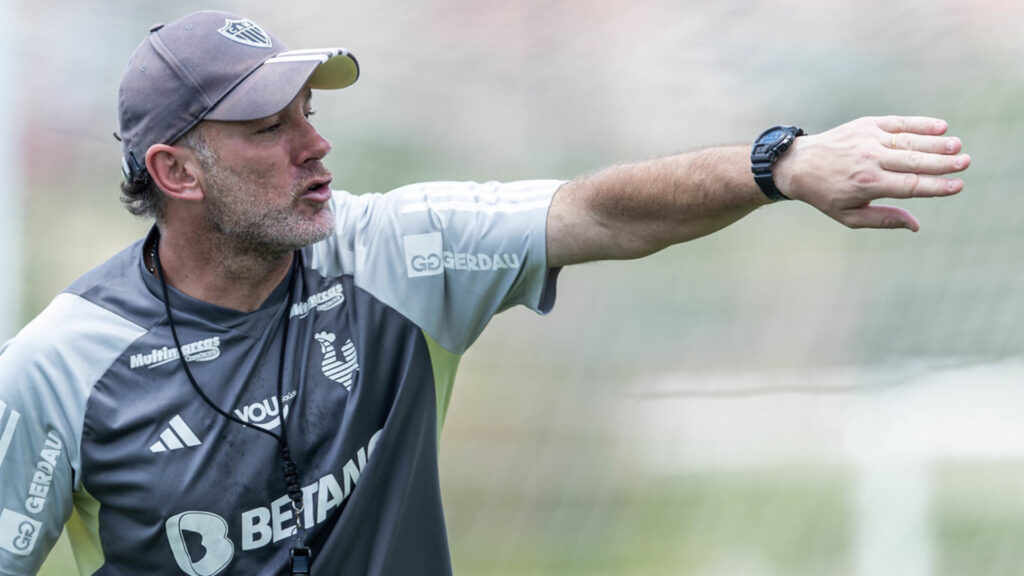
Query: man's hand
{"x": 842, "y": 171}
{"x": 632, "y": 210}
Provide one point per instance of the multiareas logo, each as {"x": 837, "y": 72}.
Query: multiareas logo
{"x": 321, "y": 302}
{"x": 202, "y": 544}
{"x": 200, "y": 351}
{"x": 424, "y": 257}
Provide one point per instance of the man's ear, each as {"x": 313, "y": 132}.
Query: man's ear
{"x": 174, "y": 168}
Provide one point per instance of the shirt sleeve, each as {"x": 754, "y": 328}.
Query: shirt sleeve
{"x": 448, "y": 255}
{"x": 35, "y": 472}
{"x": 46, "y": 372}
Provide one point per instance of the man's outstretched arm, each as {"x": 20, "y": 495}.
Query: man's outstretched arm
{"x": 633, "y": 210}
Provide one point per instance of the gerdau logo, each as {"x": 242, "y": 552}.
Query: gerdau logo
{"x": 424, "y": 257}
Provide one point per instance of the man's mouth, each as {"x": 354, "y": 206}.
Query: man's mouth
{"x": 319, "y": 190}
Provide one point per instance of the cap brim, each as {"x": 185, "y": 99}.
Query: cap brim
{"x": 277, "y": 81}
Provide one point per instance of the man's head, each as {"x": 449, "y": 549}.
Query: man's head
{"x": 257, "y": 185}
{"x": 210, "y": 66}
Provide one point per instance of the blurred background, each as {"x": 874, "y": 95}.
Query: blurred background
{"x": 784, "y": 397}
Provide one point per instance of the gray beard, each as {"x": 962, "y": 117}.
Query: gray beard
{"x": 256, "y": 228}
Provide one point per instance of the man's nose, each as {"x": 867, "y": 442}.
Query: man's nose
{"x": 314, "y": 145}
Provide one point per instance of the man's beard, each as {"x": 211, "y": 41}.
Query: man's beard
{"x": 249, "y": 222}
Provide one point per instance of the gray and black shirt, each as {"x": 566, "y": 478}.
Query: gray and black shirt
{"x": 102, "y": 433}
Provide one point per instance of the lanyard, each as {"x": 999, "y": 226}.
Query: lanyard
{"x": 301, "y": 557}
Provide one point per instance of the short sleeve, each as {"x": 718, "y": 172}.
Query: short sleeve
{"x": 447, "y": 255}
{"x": 46, "y": 372}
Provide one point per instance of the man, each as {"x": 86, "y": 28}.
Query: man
{"x": 258, "y": 386}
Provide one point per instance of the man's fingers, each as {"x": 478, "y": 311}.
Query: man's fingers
{"x": 919, "y": 143}
{"x": 874, "y": 158}
{"x": 912, "y": 124}
{"x": 923, "y": 162}
{"x": 910, "y": 185}
{"x": 878, "y": 217}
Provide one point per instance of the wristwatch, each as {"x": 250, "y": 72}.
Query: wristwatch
{"x": 767, "y": 148}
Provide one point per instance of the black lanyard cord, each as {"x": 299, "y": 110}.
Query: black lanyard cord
{"x": 300, "y": 554}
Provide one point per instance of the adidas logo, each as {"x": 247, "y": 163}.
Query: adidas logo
{"x": 175, "y": 437}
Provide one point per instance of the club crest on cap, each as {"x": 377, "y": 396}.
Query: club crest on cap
{"x": 246, "y": 32}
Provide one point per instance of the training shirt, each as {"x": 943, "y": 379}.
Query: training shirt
{"x": 101, "y": 431}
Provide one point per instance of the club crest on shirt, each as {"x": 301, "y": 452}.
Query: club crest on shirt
{"x": 340, "y": 371}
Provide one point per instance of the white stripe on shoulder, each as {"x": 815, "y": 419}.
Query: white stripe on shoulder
{"x": 463, "y": 206}
{"x": 489, "y": 197}
{"x": 484, "y": 195}
{"x": 7, "y": 431}
{"x": 524, "y": 190}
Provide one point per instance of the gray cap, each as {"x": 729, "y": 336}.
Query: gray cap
{"x": 216, "y": 66}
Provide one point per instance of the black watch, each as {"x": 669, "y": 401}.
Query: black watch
{"x": 769, "y": 147}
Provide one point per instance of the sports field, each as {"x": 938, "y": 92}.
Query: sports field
{"x": 784, "y": 397}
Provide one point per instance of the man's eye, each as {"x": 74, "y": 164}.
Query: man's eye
{"x": 269, "y": 129}
{"x": 309, "y": 113}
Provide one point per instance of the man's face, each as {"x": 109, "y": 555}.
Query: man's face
{"x": 265, "y": 189}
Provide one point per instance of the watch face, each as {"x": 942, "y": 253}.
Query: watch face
{"x": 773, "y": 137}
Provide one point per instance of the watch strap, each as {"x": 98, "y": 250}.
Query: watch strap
{"x": 763, "y": 156}
{"x": 766, "y": 181}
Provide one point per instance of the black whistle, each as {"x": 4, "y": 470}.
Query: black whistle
{"x": 300, "y": 561}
